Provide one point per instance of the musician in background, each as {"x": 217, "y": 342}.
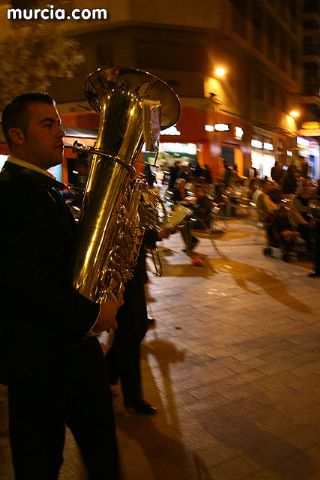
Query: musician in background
{"x": 50, "y": 358}
{"x": 123, "y": 360}
{"x": 199, "y": 219}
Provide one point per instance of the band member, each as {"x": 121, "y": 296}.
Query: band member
{"x": 123, "y": 359}
{"x": 50, "y": 357}
{"x": 199, "y": 219}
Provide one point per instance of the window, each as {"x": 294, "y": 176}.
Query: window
{"x": 283, "y": 102}
{"x": 311, "y": 46}
{"x": 271, "y": 40}
{"x": 310, "y": 6}
{"x": 257, "y": 29}
{"x": 259, "y": 89}
{"x": 271, "y": 96}
{"x": 239, "y": 23}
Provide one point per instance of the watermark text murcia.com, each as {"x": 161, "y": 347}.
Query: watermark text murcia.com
{"x": 52, "y": 13}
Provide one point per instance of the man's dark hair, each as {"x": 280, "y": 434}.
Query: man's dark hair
{"x": 15, "y": 115}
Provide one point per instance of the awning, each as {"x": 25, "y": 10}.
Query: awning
{"x": 306, "y": 132}
{"x": 78, "y": 132}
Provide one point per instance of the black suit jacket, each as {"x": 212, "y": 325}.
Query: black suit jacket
{"x": 43, "y": 319}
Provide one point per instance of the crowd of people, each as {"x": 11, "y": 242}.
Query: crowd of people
{"x": 291, "y": 219}
{"x": 287, "y": 203}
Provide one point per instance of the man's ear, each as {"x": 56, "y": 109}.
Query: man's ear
{"x": 16, "y": 136}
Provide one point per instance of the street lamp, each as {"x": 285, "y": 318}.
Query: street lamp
{"x": 294, "y": 114}
{"x": 220, "y": 72}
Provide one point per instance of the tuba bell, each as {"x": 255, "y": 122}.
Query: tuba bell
{"x": 133, "y": 106}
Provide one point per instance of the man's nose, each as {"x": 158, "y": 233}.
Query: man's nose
{"x": 60, "y": 131}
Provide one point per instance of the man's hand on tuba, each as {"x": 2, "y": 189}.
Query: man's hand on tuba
{"x": 107, "y": 317}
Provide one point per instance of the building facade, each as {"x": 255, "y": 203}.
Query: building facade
{"x": 308, "y": 141}
{"x": 235, "y": 64}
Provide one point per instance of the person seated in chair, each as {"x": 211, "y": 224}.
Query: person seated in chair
{"x": 265, "y": 206}
{"x": 179, "y": 191}
{"x": 301, "y": 215}
{"x": 199, "y": 219}
{"x": 266, "y": 209}
{"x": 284, "y": 232}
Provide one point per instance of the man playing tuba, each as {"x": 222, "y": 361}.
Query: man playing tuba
{"x": 50, "y": 357}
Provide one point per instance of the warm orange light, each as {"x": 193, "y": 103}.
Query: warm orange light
{"x": 220, "y": 71}
{"x": 294, "y": 113}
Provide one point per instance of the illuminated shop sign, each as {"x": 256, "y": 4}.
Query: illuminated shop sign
{"x": 218, "y": 127}
{"x": 221, "y": 127}
{"x": 302, "y": 142}
{"x": 268, "y": 146}
{"x": 259, "y": 144}
{"x": 189, "y": 148}
{"x": 256, "y": 144}
{"x": 311, "y": 125}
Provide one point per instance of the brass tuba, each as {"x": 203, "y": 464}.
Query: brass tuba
{"x": 133, "y": 106}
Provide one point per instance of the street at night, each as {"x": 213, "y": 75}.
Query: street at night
{"x": 232, "y": 367}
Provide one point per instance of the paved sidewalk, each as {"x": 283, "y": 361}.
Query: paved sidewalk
{"x": 233, "y": 366}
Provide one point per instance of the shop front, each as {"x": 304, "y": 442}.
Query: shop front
{"x": 195, "y": 139}
{"x": 228, "y": 142}
{"x": 269, "y": 147}
{"x": 200, "y": 136}
{"x": 308, "y": 153}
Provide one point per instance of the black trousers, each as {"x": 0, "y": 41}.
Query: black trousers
{"x": 40, "y": 409}
{"x": 317, "y": 248}
{"x": 307, "y": 234}
{"x": 123, "y": 358}
{"x": 186, "y": 230}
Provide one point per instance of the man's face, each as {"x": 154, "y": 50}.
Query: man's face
{"x": 308, "y": 191}
{"x": 199, "y": 192}
{"x": 43, "y": 138}
{"x": 267, "y": 187}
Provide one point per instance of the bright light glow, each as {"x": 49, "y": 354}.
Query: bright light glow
{"x": 220, "y": 71}
{"x": 171, "y": 131}
{"x": 239, "y": 133}
{"x": 294, "y": 113}
{"x": 3, "y": 159}
{"x": 209, "y": 128}
{"x": 289, "y": 153}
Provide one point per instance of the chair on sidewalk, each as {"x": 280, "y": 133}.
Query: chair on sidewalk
{"x": 260, "y": 229}
{"x": 156, "y": 260}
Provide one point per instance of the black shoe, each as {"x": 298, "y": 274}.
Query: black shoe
{"x": 313, "y": 274}
{"x": 151, "y": 322}
{"x": 142, "y": 408}
{"x": 194, "y": 243}
{"x": 286, "y": 257}
{"x": 267, "y": 252}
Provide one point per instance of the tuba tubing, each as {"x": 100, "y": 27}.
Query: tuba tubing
{"x": 109, "y": 229}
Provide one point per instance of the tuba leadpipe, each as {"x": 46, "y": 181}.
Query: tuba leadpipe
{"x": 133, "y": 107}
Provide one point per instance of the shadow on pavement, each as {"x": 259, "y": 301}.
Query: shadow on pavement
{"x": 245, "y": 274}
